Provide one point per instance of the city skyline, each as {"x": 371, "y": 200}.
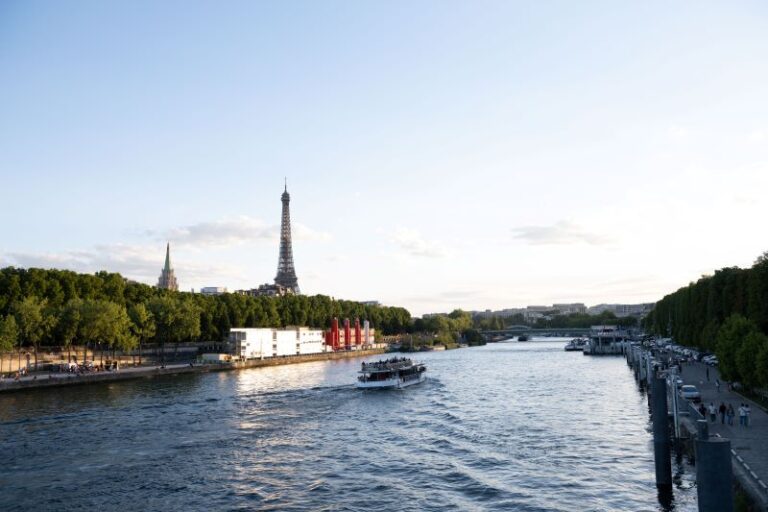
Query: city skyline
{"x": 441, "y": 155}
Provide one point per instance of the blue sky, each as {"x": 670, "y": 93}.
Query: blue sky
{"x": 438, "y": 154}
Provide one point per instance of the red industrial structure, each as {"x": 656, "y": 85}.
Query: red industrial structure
{"x": 333, "y": 336}
{"x": 347, "y": 335}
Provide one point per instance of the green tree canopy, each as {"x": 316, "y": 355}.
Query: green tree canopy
{"x": 730, "y": 337}
{"x": 9, "y": 334}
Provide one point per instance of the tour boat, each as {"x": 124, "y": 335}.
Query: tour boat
{"x": 575, "y": 344}
{"x": 394, "y": 373}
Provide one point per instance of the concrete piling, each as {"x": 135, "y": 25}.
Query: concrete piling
{"x": 714, "y": 474}
{"x": 702, "y": 429}
{"x": 661, "y": 443}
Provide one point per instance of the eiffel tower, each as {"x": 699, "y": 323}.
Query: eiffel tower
{"x": 286, "y": 274}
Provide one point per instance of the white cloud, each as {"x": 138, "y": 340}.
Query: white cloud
{"x": 141, "y": 263}
{"x": 560, "y": 233}
{"x": 224, "y": 233}
{"x": 234, "y": 231}
{"x": 412, "y": 243}
{"x": 304, "y": 233}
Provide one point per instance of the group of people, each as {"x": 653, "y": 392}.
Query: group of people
{"x": 388, "y": 363}
{"x": 727, "y": 413}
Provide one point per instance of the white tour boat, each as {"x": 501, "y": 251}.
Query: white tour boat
{"x": 394, "y": 373}
{"x": 576, "y": 344}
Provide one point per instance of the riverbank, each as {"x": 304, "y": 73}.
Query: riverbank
{"x": 145, "y": 372}
{"x": 749, "y": 445}
{"x": 749, "y": 450}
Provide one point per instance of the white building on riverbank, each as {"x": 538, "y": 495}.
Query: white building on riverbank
{"x": 260, "y": 343}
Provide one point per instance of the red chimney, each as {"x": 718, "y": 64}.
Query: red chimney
{"x": 335, "y": 333}
{"x": 347, "y": 335}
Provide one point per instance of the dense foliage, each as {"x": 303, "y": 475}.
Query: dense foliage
{"x": 727, "y": 314}
{"x": 693, "y": 314}
{"x": 449, "y": 330}
{"x": 63, "y": 308}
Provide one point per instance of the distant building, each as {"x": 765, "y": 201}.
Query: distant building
{"x": 623, "y": 310}
{"x": 267, "y": 290}
{"x": 213, "y": 290}
{"x": 167, "y": 279}
{"x": 533, "y": 315}
{"x": 370, "y": 303}
{"x": 570, "y": 309}
{"x": 260, "y": 343}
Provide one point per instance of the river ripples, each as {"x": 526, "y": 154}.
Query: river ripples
{"x": 508, "y": 426}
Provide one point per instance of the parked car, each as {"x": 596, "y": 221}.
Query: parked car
{"x": 689, "y": 392}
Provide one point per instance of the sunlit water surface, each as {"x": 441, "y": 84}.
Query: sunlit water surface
{"x": 508, "y": 426}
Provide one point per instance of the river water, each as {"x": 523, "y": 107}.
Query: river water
{"x": 508, "y": 426}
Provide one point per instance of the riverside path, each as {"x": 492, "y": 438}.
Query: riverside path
{"x": 749, "y": 445}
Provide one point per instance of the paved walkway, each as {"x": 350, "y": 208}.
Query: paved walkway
{"x": 749, "y": 444}
{"x": 64, "y": 378}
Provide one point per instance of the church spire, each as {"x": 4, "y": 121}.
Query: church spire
{"x": 167, "y": 267}
{"x": 167, "y": 280}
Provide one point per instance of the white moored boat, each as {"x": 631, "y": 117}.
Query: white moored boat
{"x": 576, "y": 344}
{"x": 394, "y": 373}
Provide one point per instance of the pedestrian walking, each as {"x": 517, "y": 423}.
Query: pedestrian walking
{"x": 712, "y": 412}
{"x": 717, "y": 384}
{"x": 747, "y": 412}
{"x": 730, "y": 413}
{"x": 707, "y": 373}
{"x": 723, "y": 409}
{"x": 742, "y": 415}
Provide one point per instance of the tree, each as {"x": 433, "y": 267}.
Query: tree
{"x": 761, "y": 366}
{"x": 757, "y": 293}
{"x": 746, "y": 358}
{"x": 105, "y": 323}
{"x": 68, "y": 325}
{"x": 142, "y": 324}
{"x": 33, "y": 325}
{"x": 9, "y": 334}
{"x": 187, "y": 325}
{"x": 730, "y": 337}
{"x": 175, "y": 320}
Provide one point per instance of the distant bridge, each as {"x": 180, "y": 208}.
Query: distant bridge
{"x": 516, "y": 330}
